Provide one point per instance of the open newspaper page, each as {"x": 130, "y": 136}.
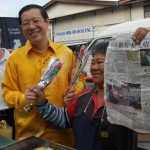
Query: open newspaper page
{"x": 127, "y": 83}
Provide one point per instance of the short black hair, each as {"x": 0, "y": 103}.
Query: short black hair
{"x": 32, "y": 6}
{"x": 100, "y": 48}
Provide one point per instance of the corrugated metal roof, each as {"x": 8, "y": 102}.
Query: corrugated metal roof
{"x": 88, "y": 2}
{"x": 94, "y": 2}
{"x": 123, "y": 2}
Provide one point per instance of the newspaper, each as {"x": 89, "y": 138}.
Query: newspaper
{"x": 127, "y": 83}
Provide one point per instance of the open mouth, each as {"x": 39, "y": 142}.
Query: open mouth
{"x": 34, "y": 34}
{"x": 96, "y": 74}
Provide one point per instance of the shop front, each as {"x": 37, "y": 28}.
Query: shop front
{"x": 74, "y": 38}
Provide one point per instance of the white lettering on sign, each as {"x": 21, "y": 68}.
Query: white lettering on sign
{"x": 14, "y": 31}
{"x": 74, "y": 34}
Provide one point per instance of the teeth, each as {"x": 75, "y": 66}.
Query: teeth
{"x": 33, "y": 33}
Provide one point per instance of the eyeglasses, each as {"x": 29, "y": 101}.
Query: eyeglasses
{"x": 32, "y": 22}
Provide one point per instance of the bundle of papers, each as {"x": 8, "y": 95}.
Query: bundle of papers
{"x": 127, "y": 83}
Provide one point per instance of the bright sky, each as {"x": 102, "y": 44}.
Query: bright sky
{"x": 10, "y": 8}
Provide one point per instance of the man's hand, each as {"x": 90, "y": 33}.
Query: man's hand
{"x": 35, "y": 95}
{"x": 140, "y": 34}
{"x": 30, "y": 96}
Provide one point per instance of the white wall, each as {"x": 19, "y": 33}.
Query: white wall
{"x": 137, "y": 12}
{"x": 63, "y": 9}
{"x": 98, "y": 19}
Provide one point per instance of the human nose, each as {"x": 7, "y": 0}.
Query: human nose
{"x": 31, "y": 24}
{"x": 95, "y": 66}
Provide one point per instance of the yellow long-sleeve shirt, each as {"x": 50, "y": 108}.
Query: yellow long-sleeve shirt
{"x": 23, "y": 70}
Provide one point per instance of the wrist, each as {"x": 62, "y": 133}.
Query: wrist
{"x": 40, "y": 104}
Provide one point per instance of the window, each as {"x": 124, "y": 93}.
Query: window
{"x": 147, "y": 11}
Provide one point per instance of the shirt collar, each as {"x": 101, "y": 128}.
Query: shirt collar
{"x": 6, "y": 55}
{"x": 95, "y": 100}
{"x": 52, "y": 46}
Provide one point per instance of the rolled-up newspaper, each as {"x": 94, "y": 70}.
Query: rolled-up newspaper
{"x": 50, "y": 73}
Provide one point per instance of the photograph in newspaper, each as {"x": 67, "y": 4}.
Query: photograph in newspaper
{"x": 126, "y": 94}
{"x": 145, "y": 57}
{"x": 127, "y": 82}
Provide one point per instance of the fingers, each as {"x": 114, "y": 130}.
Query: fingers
{"x": 140, "y": 34}
{"x": 66, "y": 91}
{"x": 136, "y": 35}
{"x": 35, "y": 95}
{"x": 41, "y": 98}
{"x": 69, "y": 99}
{"x": 67, "y": 103}
{"x": 69, "y": 90}
{"x": 70, "y": 95}
{"x": 32, "y": 101}
{"x": 31, "y": 95}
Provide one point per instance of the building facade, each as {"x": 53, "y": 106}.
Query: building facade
{"x": 75, "y": 22}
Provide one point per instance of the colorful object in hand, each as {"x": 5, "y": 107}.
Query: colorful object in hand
{"x": 50, "y": 73}
{"x": 52, "y": 70}
{"x": 80, "y": 64}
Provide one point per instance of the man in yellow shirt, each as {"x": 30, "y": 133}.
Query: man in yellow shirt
{"x": 25, "y": 67}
